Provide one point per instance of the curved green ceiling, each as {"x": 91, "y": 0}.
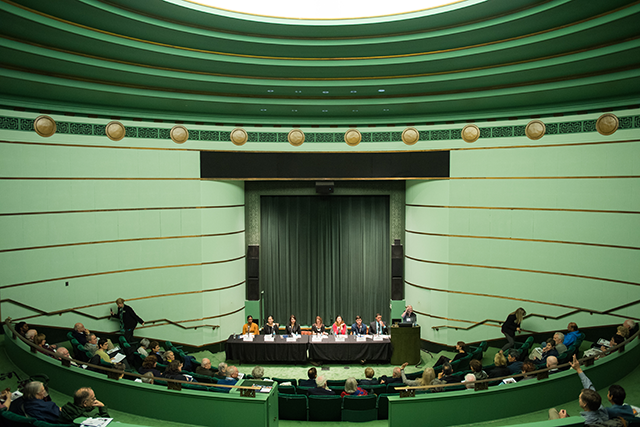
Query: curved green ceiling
{"x": 155, "y": 59}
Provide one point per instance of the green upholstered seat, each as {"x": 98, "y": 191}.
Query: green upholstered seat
{"x": 325, "y": 408}
{"x": 292, "y": 407}
{"x": 359, "y": 408}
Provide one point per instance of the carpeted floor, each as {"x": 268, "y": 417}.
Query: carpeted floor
{"x": 631, "y": 383}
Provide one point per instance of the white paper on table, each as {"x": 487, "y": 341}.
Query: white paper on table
{"x": 361, "y": 339}
{"x": 291, "y": 339}
{"x": 378, "y": 338}
{"x": 316, "y": 339}
{"x": 268, "y": 338}
{"x": 247, "y": 338}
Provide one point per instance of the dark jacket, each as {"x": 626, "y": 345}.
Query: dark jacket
{"x": 509, "y": 326}
{"x": 499, "y": 371}
{"x": 321, "y": 391}
{"x": 368, "y": 381}
{"x": 203, "y": 371}
{"x": 307, "y": 383}
{"x": 128, "y": 317}
{"x": 81, "y": 337}
{"x": 268, "y": 330}
{"x": 71, "y": 411}
{"x": 35, "y": 408}
{"x": 295, "y": 330}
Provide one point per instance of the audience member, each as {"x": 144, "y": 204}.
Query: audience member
{"x": 116, "y": 375}
{"x": 312, "y": 373}
{"x": 446, "y": 376}
{"x": 5, "y": 399}
{"x": 514, "y": 365}
{"x": 33, "y": 405}
{"x": 511, "y": 325}
{"x": 368, "y": 377}
{"x": 573, "y": 334}
{"x": 396, "y": 377}
{"x": 548, "y": 350}
{"x": 528, "y": 366}
{"x": 630, "y": 325}
{"x": 222, "y": 371}
{"x": 470, "y": 381}
{"x": 174, "y": 372}
{"x": 428, "y": 377}
{"x": 155, "y": 350}
{"x": 589, "y": 400}
{"x": 80, "y": 333}
{"x": 205, "y": 368}
{"x": 552, "y": 364}
{"x": 351, "y": 388}
{"x": 102, "y": 351}
{"x": 476, "y": 369}
{"x": 250, "y": 327}
{"x": 321, "y": 387}
{"x": 257, "y": 372}
{"x": 144, "y": 345}
{"x": 128, "y": 319}
{"x": 501, "y": 369}
{"x": 168, "y": 357}
{"x": 30, "y": 334}
{"x": 22, "y": 328}
{"x": 558, "y": 337}
{"x": 616, "y": 396}
{"x": 460, "y": 353}
{"x": 91, "y": 344}
{"x": 147, "y": 378}
{"x": 149, "y": 365}
{"x": 231, "y": 378}
{"x": 84, "y": 405}
{"x": 41, "y": 341}
{"x": 64, "y": 352}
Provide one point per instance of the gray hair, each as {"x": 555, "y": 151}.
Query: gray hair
{"x": 204, "y": 362}
{"x": 147, "y": 378}
{"x": 30, "y": 334}
{"x": 232, "y": 370}
{"x": 321, "y": 382}
{"x": 31, "y": 390}
{"x": 145, "y": 342}
{"x": 258, "y": 372}
{"x": 350, "y": 385}
{"x": 222, "y": 367}
{"x": 629, "y": 324}
{"x": 560, "y": 334}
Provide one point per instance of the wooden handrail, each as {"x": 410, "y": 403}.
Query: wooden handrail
{"x": 54, "y": 355}
{"x": 618, "y": 347}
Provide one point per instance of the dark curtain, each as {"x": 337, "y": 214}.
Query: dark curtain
{"x": 325, "y": 256}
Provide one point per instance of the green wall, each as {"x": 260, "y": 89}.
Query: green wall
{"x": 550, "y": 225}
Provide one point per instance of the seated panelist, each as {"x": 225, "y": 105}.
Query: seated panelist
{"x": 250, "y": 327}
{"x": 339, "y": 327}
{"x": 270, "y": 328}
{"x": 293, "y": 327}
{"x": 318, "y": 327}
{"x": 378, "y": 326}
{"x": 359, "y": 328}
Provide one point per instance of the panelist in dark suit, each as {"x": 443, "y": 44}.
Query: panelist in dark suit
{"x": 409, "y": 316}
{"x": 378, "y": 326}
{"x": 270, "y": 328}
{"x": 293, "y": 327}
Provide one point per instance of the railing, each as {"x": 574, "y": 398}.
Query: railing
{"x": 67, "y": 361}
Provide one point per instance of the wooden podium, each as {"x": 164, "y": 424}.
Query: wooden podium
{"x": 406, "y": 345}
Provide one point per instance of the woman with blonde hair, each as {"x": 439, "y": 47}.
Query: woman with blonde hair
{"x": 511, "y": 325}
{"x": 428, "y": 375}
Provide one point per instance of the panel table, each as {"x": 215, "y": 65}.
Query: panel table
{"x": 350, "y": 350}
{"x": 261, "y": 351}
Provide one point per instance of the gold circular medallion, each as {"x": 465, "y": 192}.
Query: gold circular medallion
{"x": 44, "y": 126}
{"x": 179, "y": 134}
{"x": 115, "y": 131}
{"x": 296, "y": 137}
{"x": 239, "y": 136}
{"x": 535, "y": 129}
{"x": 410, "y": 136}
{"x": 470, "y": 133}
{"x": 607, "y": 124}
{"x": 352, "y": 137}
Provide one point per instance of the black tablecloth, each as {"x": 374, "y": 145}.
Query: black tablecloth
{"x": 350, "y": 350}
{"x": 260, "y": 351}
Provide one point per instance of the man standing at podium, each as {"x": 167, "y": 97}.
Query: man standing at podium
{"x": 409, "y": 316}
{"x": 378, "y": 327}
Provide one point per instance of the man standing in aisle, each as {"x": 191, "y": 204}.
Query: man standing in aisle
{"x": 128, "y": 319}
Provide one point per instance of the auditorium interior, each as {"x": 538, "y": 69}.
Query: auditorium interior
{"x": 171, "y": 153}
